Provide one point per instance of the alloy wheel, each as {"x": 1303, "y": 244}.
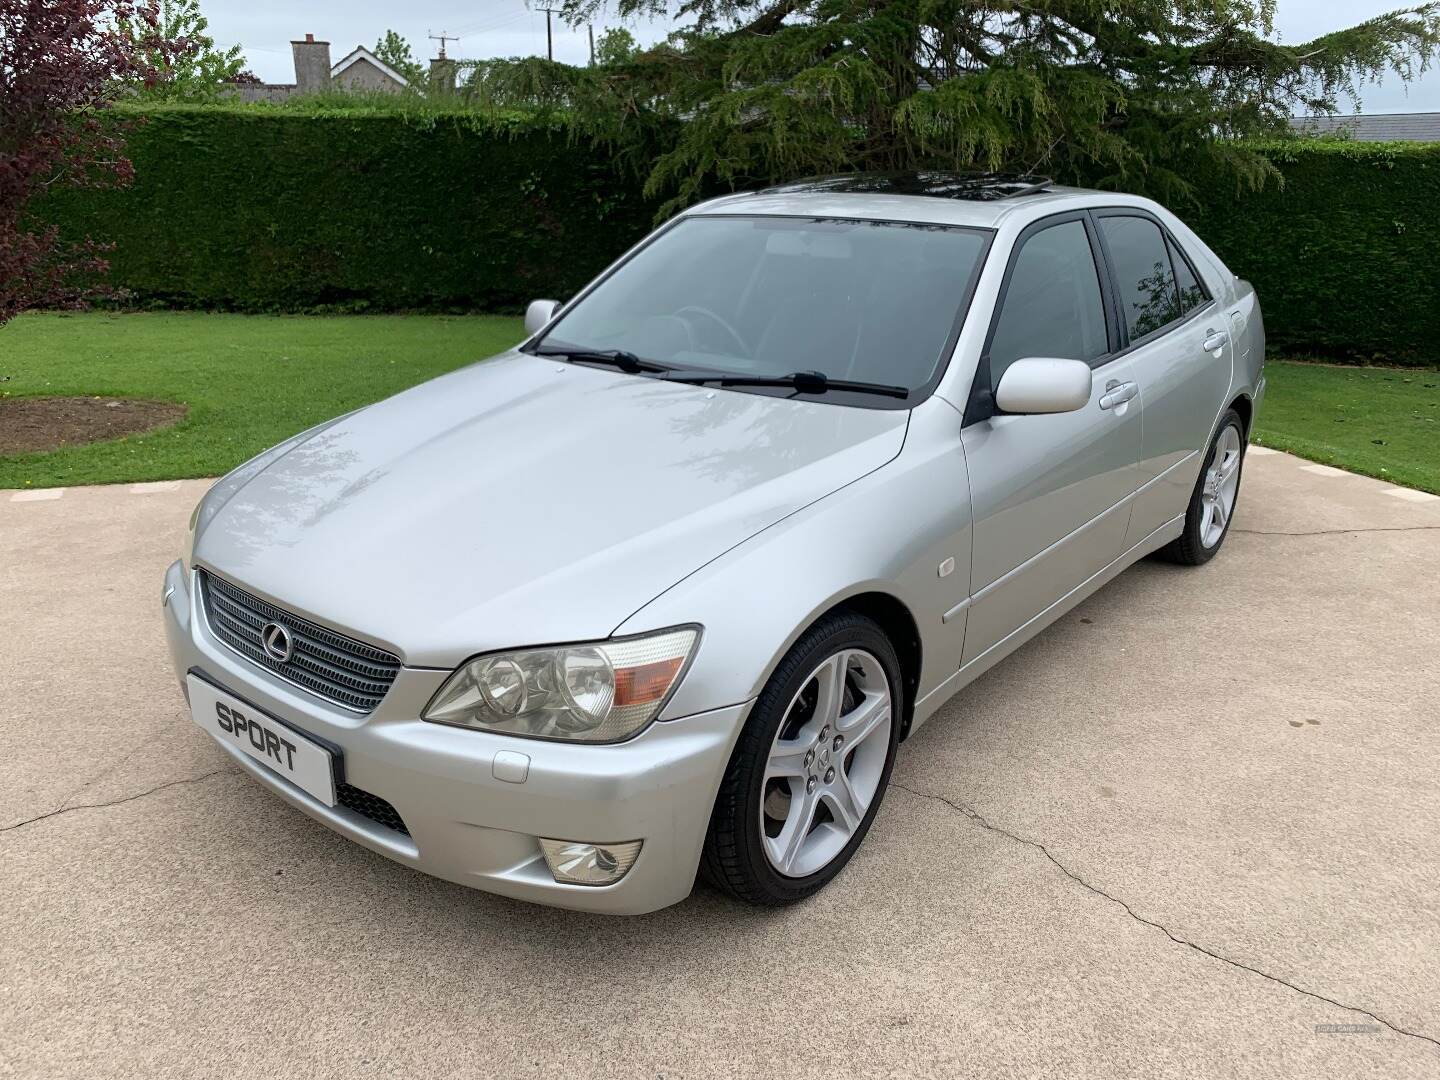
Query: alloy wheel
{"x": 826, "y": 763}
{"x": 1222, "y": 482}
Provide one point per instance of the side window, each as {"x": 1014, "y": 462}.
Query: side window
{"x": 1192, "y": 293}
{"x": 1052, "y": 305}
{"x": 1148, "y": 294}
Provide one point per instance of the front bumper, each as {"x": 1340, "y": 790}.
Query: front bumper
{"x": 466, "y": 825}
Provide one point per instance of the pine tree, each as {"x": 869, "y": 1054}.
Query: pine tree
{"x": 1153, "y": 96}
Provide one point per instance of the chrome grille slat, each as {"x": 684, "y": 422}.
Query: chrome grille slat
{"x": 328, "y": 664}
{"x": 239, "y": 624}
{"x": 321, "y": 670}
{"x": 237, "y": 611}
{"x": 374, "y": 672}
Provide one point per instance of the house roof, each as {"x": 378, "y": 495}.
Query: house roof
{"x": 361, "y": 53}
{"x": 1380, "y": 127}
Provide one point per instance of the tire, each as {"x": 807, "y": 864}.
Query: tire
{"x": 1201, "y": 540}
{"x": 743, "y": 853}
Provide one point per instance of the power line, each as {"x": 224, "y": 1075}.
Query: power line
{"x": 484, "y": 26}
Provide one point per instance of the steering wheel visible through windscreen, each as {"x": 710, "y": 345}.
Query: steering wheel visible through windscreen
{"x": 740, "y": 348}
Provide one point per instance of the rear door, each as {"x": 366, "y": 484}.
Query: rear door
{"x": 1047, "y": 491}
{"x": 1179, "y": 347}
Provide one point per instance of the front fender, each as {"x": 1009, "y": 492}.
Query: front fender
{"x": 888, "y": 532}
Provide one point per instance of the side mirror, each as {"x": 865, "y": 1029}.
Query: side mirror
{"x": 1044, "y": 385}
{"x": 539, "y": 313}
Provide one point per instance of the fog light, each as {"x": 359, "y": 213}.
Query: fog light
{"x": 589, "y": 864}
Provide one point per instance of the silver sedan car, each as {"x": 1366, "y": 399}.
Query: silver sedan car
{"x": 661, "y": 591}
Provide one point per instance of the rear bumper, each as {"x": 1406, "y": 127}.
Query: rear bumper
{"x": 466, "y": 825}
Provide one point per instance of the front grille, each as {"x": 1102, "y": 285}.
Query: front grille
{"x": 329, "y": 665}
{"x": 370, "y": 806}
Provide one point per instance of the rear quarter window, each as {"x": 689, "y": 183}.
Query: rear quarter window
{"x": 1192, "y": 291}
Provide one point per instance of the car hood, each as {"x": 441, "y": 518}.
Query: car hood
{"x": 523, "y": 501}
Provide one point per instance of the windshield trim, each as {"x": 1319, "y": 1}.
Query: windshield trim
{"x": 915, "y": 397}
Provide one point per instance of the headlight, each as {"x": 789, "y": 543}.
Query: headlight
{"x": 600, "y": 692}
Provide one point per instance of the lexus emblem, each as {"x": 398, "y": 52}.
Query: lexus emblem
{"x": 276, "y": 642}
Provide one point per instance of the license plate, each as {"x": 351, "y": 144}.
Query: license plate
{"x": 279, "y": 747}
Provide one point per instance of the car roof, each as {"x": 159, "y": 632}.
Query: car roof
{"x": 979, "y": 200}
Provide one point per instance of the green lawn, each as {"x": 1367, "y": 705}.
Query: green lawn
{"x": 1383, "y": 422}
{"x": 252, "y": 380}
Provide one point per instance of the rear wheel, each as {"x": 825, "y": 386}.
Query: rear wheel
{"x": 811, "y": 766}
{"x": 1212, "y": 505}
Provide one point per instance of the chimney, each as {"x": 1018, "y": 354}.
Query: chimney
{"x": 442, "y": 75}
{"x": 312, "y": 65}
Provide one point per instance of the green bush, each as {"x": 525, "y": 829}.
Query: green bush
{"x": 399, "y": 204}
{"x": 1346, "y": 254}
{"x": 279, "y": 209}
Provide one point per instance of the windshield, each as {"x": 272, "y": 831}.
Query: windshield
{"x": 861, "y": 301}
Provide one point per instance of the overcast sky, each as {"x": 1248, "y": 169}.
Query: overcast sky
{"x": 488, "y": 28}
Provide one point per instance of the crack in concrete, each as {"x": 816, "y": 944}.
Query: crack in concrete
{"x": 101, "y": 775}
{"x": 974, "y": 815}
{"x": 64, "y": 809}
{"x": 1338, "y": 532}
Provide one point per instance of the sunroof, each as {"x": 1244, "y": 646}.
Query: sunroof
{"x": 981, "y": 187}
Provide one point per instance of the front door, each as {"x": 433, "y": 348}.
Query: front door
{"x": 1049, "y": 493}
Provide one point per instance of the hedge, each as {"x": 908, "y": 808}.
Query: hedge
{"x": 254, "y": 209}
{"x": 1345, "y": 255}
{"x": 257, "y": 209}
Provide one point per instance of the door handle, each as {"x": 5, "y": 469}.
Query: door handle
{"x": 1214, "y": 340}
{"x": 1117, "y": 393}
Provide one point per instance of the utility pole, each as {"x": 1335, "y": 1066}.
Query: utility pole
{"x": 549, "y": 38}
{"x": 442, "y": 38}
{"x": 591, "y": 28}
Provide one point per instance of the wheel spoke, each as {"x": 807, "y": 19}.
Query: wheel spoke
{"x": 1231, "y": 484}
{"x": 845, "y": 804}
{"x": 861, "y": 721}
{"x": 787, "y": 758}
{"x": 797, "y": 829}
{"x": 830, "y": 688}
{"x": 1218, "y": 512}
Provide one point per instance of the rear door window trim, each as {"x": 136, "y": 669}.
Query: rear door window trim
{"x": 1172, "y": 246}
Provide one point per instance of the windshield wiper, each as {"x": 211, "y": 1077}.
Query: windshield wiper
{"x": 806, "y": 382}
{"x": 619, "y": 358}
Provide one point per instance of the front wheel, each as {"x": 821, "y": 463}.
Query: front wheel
{"x": 1212, "y": 504}
{"x": 811, "y": 766}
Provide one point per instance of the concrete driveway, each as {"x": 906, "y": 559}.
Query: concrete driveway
{"x": 1191, "y": 830}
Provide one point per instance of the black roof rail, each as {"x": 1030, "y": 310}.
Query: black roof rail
{"x": 981, "y": 187}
